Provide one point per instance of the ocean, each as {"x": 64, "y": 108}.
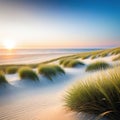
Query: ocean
{"x": 25, "y": 56}
{"x": 42, "y": 51}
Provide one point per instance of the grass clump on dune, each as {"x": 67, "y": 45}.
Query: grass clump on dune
{"x": 116, "y": 58}
{"x": 11, "y": 69}
{"x": 2, "y": 78}
{"x": 27, "y": 73}
{"x": 62, "y": 61}
{"x": 98, "y": 94}
{"x": 85, "y": 57}
{"x": 50, "y": 70}
{"x": 74, "y": 63}
{"x": 115, "y": 51}
{"x": 100, "y": 65}
{"x": 33, "y": 65}
{"x": 70, "y": 63}
{"x": 94, "y": 57}
{"x": 104, "y": 55}
{"x": 66, "y": 62}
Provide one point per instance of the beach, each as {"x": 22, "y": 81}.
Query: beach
{"x": 59, "y": 59}
{"x": 43, "y": 100}
{"x": 25, "y": 56}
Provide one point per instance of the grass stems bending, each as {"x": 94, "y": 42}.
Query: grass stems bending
{"x": 2, "y": 78}
{"x": 98, "y": 94}
{"x": 27, "y": 73}
{"x": 99, "y": 65}
{"x": 116, "y": 58}
{"x": 71, "y": 63}
{"x": 84, "y": 55}
{"x": 50, "y": 70}
{"x": 11, "y": 69}
{"x": 94, "y": 57}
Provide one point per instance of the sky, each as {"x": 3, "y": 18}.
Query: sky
{"x": 60, "y": 23}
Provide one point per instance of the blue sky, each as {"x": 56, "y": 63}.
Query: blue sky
{"x": 60, "y": 23}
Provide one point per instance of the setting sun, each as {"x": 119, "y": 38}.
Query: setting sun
{"x": 9, "y": 44}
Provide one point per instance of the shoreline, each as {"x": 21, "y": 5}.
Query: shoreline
{"x": 29, "y": 58}
{"x": 44, "y": 99}
{"x": 61, "y": 56}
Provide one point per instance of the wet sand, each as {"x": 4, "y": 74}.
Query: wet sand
{"x": 29, "y": 58}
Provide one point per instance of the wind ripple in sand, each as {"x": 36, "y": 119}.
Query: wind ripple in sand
{"x": 31, "y": 108}
{"x": 40, "y": 104}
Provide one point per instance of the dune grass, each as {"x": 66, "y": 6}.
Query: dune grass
{"x": 2, "y": 78}
{"x": 70, "y": 63}
{"x": 117, "y": 58}
{"x": 93, "y": 57}
{"x": 27, "y": 73}
{"x": 61, "y": 61}
{"x": 65, "y": 62}
{"x": 115, "y": 51}
{"x": 11, "y": 69}
{"x": 99, "y": 65}
{"x": 97, "y": 53}
{"x": 85, "y": 57}
{"x": 104, "y": 54}
{"x": 50, "y": 70}
{"x": 33, "y": 65}
{"x": 98, "y": 94}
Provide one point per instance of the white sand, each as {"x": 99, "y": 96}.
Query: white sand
{"x": 107, "y": 59}
{"x": 41, "y": 101}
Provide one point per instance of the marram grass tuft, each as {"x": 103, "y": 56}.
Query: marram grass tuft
{"x": 98, "y": 94}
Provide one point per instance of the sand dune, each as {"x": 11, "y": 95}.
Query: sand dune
{"x": 44, "y": 102}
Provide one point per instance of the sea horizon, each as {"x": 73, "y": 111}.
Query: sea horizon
{"x": 46, "y": 51}
{"x": 16, "y": 56}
